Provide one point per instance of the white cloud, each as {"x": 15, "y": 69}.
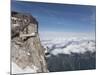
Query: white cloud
{"x": 58, "y": 43}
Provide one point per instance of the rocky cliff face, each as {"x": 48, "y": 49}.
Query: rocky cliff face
{"x": 26, "y": 48}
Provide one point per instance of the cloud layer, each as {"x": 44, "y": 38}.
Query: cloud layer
{"x": 65, "y": 44}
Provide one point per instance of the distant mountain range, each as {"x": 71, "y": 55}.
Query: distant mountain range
{"x": 68, "y": 54}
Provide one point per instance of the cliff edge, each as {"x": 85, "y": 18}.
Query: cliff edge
{"x": 26, "y": 49}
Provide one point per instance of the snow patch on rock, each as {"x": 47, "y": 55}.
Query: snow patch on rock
{"x": 17, "y": 70}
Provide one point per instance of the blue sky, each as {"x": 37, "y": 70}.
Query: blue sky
{"x": 59, "y": 17}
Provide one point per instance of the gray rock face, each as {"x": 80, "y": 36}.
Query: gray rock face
{"x": 26, "y": 48}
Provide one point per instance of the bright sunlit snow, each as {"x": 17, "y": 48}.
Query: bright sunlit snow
{"x": 17, "y": 70}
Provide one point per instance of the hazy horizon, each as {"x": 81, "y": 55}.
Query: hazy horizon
{"x": 59, "y": 17}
